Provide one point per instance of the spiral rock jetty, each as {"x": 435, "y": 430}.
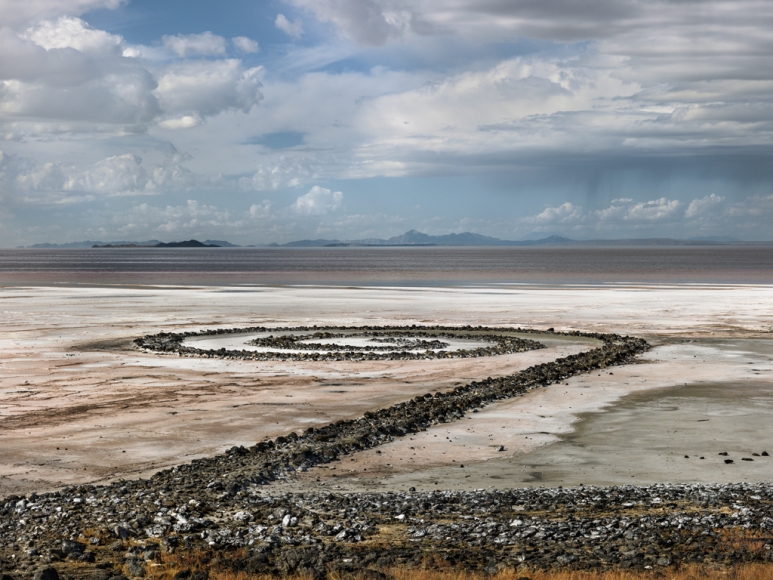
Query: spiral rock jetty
{"x": 391, "y": 342}
{"x": 220, "y": 513}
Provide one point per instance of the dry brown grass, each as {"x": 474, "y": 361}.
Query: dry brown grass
{"x": 693, "y": 572}
{"x": 745, "y": 572}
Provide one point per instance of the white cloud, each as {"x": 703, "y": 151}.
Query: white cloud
{"x": 657, "y": 209}
{"x": 367, "y": 22}
{"x": 204, "y": 44}
{"x": 125, "y": 174}
{"x": 62, "y": 76}
{"x": 209, "y": 87}
{"x": 627, "y": 218}
{"x": 245, "y": 45}
{"x": 564, "y": 213}
{"x": 319, "y": 201}
{"x": 190, "y": 219}
{"x": 184, "y": 122}
{"x": 48, "y": 177}
{"x": 117, "y": 174}
{"x": 17, "y": 13}
{"x": 260, "y": 210}
{"x": 701, "y": 207}
{"x": 293, "y": 29}
{"x": 26, "y": 62}
{"x": 284, "y": 173}
{"x": 65, "y": 71}
{"x": 70, "y": 32}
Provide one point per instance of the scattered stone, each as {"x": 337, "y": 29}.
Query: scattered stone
{"x": 728, "y": 461}
{"x": 134, "y": 569}
{"x": 48, "y": 573}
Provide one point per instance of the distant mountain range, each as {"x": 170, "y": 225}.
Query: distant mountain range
{"x": 416, "y": 238}
{"x": 411, "y": 238}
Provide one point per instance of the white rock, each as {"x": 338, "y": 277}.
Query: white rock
{"x": 242, "y": 516}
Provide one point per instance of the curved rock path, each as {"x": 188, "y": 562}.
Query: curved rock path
{"x": 292, "y": 343}
{"x": 219, "y": 513}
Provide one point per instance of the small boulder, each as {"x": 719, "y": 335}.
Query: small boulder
{"x": 48, "y": 573}
{"x": 70, "y": 547}
{"x": 135, "y": 569}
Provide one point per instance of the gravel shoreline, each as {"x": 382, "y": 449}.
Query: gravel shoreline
{"x": 222, "y": 508}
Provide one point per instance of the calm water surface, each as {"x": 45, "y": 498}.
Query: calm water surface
{"x": 389, "y": 266}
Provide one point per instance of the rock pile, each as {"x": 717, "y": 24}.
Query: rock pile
{"x": 126, "y": 529}
{"x": 300, "y": 342}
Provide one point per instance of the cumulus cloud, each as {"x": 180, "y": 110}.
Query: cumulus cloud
{"x": 564, "y": 213}
{"x": 701, "y": 207}
{"x": 260, "y": 210}
{"x": 367, "y": 22}
{"x": 209, "y": 87}
{"x": 204, "y": 44}
{"x": 24, "y": 61}
{"x": 190, "y": 219}
{"x": 245, "y": 45}
{"x": 626, "y": 217}
{"x": 319, "y": 201}
{"x": 293, "y": 29}
{"x": 70, "y": 32}
{"x": 65, "y": 71}
{"x": 273, "y": 176}
{"x": 16, "y": 14}
{"x": 125, "y": 174}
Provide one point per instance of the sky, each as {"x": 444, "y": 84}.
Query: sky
{"x": 259, "y": 121}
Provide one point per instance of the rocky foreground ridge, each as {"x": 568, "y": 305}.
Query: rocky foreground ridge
{"x": 220, "y": 515}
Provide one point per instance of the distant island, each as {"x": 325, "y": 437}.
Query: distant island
{"x": 415, "y": 238}
{"x": 186, "y": 244}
